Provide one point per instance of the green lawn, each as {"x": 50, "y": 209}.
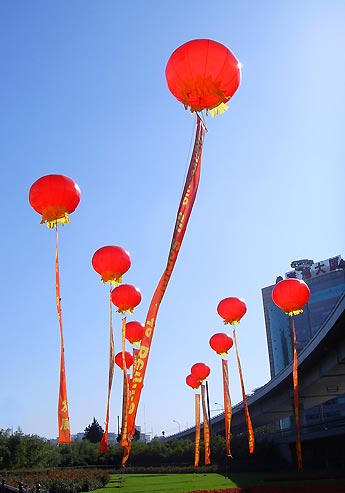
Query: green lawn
{"x": 183, "y": 483}
{"x": 170, "y": 483}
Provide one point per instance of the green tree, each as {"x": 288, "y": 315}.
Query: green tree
{"x": 93, "y": 432}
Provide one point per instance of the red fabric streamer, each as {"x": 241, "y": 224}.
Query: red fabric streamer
{"x": 227, "y": 407}
{"x": 251, "y": 438}
{"x": 296, "y": 399}
{"x": 64, "y": 433}
{"x": 183, "y": 214}
{"x": 197, "y": 430}
{"x": 206, "y": 428}
{"x": 103, "y": 446}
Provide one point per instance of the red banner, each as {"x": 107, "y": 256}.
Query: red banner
{"x": 206, "y": 428}
{"x": 103, "y": 446}
{"x": 197, "y": 430}
{"x": 64, "y": 433}
{"x": 125, "y": 392}
{"x": 227, "y": 407}
{"x": 251, "y": 438}
{"x": 183, "y": 214}
{"x": 296, "y": 399}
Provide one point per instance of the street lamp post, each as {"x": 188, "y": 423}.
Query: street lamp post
{"x": 179, "y": 426}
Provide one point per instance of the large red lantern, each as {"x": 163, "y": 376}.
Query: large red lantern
{"x": 221, "y": 343}
{"x": 54, "y": 197}
{"x": 134, "y": 332}
{"x": 291, "y": 295}
{"x": 201, "y": 371}
{"x": 111, "y": 262}
{"x": 125, "y": 297}
{"x": 231, "y": 310}
{"x": 128, "y": 359}
{"x": 202, "y": 74}
{"x": 192, "y": 381}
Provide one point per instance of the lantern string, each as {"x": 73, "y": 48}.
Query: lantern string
{"x": 251, "y": 438}
{"x": 64, "y": 433}
{"x": 296, "y": 398}
{"x": 103, "y": 446}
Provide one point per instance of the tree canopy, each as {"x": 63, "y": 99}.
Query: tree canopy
{"x": 93, "y": 432}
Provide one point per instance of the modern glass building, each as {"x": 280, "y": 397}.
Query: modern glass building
{"x": 326, "y": 281}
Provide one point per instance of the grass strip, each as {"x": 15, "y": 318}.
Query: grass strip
{"x": 240, "y": 482}
{"x": 169, "y": 483}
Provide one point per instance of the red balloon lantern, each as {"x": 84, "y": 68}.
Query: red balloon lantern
{"x": 126, "y": 297}
{"x": 231, "y": 310}
{"x": 134, "y": 332}
{"x": 291, "y": 295}
{"x": 128, "y": 360}
{"x": 221, "y": 343}
{"x": 203, "y": 74}
{"x": 54, "y": 197}
{"x": 201, "y": 371}
{"x": 111, "y": 262}
{"x": 192, "y": 381}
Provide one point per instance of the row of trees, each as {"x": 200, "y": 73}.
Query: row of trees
{"x": 19, "y": 451}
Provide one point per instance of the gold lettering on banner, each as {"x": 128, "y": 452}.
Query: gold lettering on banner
{"x": 149, "y": 327}
{"x": 143, "y": 352}
{"x": 139, "y": 366}
{"x": 64, "y": 406}
{"x": 64, "y": 424}
{"x": 179, "y": 222}
{"x": 186, "y": 197}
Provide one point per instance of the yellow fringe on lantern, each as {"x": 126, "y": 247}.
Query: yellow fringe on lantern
{"x": 113, "y": 282}
{"x": 234, "y": 322}
{"x": 219, "y": 110}
{"x": 52, "y": 223}
{"x": 129, "y": 310}
{"x": 295, "y": 312}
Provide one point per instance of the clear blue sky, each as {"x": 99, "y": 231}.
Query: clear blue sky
{"x": 83, "y": 93}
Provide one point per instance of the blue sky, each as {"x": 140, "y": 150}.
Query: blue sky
{"x": 83, "y": 93}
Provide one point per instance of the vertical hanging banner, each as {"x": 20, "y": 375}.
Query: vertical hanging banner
{"x": 183, "y": 214}
{"x": 126, "y": 439}
{"x": 296, "y": 399}
{"x": 64, "y": 432}
{"x": 227, "y": 407}
{"x": 197, "y": 430}
{"x": 250, "y": 431}
{"x": 206, "y": 428}
{"x": 103, "y": 446}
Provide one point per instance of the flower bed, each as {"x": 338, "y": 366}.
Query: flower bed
{"x": 59, "y": 480}
{"x": 280, "y": 489}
